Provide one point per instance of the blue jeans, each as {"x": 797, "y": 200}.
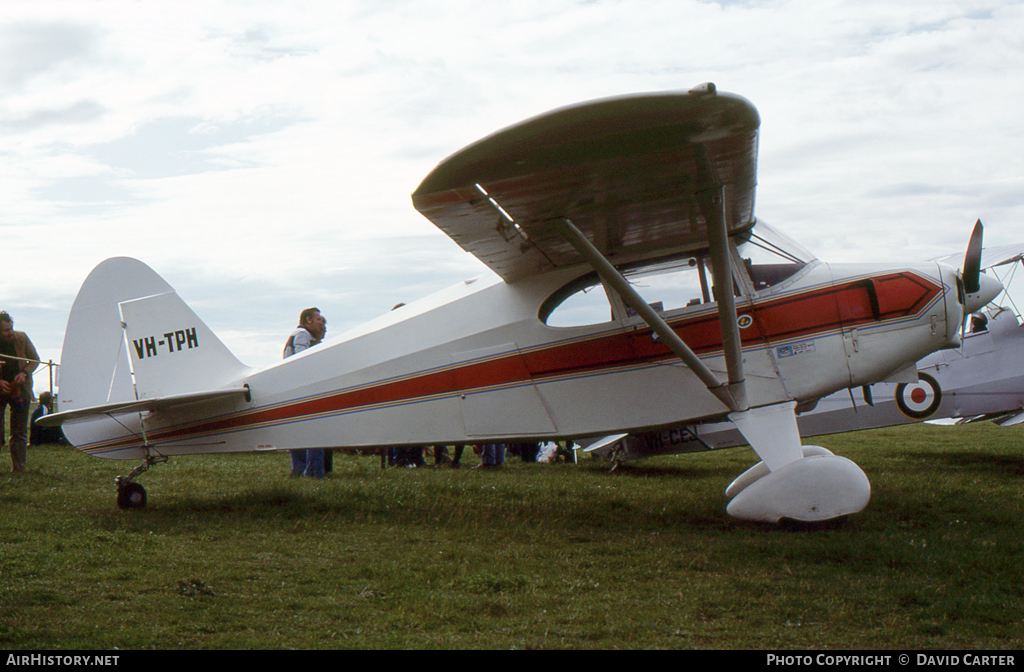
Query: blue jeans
{"x": 308, "y": 462}
{"x": 493, "y": 454}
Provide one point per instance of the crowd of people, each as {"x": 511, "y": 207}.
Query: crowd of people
{"x": 492, "y": 455}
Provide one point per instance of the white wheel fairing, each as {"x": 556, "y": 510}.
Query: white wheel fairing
{"x": 760, "y": 470}
{"x": 919, "y": 400}
{"x": 814, "y": 489}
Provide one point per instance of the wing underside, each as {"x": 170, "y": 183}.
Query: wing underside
{"x": 626, "y": 171}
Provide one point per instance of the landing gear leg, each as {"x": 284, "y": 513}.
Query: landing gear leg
{"x": 616, "y": 456}
{"x": 131, "y": 495}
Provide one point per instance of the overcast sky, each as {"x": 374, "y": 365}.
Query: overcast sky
{"x": 260, "y": 155}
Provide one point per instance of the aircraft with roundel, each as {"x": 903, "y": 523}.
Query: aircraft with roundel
{"x": 601, "y": 198}
{"x": 981, "y": 380}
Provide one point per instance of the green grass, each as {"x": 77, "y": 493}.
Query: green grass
{"x": 233, "y": 554}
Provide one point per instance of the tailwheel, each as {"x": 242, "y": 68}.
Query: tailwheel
{"x": 131, "y": 495}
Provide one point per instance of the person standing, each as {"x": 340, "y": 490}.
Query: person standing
{"x": 19, "y": 360}
{"x": 492, "y": 456}
{"x": 311, "y": 330}
{"x": 40, "y": 435}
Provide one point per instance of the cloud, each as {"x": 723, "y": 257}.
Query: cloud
{"x": 30, "y": 50}
{"x": 80, "y": 112}
{"x": 80, "y": 191}
{"x": 175, "y": 146}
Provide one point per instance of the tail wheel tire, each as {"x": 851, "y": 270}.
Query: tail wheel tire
{"x": 131, "y": 496}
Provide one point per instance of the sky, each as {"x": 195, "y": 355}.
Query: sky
{"x": 260, "y": 156}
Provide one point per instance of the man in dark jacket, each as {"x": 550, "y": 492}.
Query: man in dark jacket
{"x": 40, "y": 435}
{"x": 18, "y": 359}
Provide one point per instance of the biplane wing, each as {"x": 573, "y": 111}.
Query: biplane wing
{"x": 626, "y": 171}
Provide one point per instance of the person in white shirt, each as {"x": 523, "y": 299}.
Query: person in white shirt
{"x": 311, "y": 330}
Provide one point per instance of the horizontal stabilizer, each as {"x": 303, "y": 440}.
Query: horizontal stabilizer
{"x": 1011, "y": 420}
{"x": 157, "y": 404}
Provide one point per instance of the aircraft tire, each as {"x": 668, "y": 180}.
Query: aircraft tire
{"x": 131, "y": 496}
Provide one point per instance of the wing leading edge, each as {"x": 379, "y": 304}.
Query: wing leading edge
{"x": 626, "y": 171}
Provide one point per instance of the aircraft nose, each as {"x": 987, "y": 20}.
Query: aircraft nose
{"x": 990, "y": 288}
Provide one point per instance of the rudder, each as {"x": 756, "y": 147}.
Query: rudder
{"x": 94, "y": 360}
{"x": 172, "y": 351}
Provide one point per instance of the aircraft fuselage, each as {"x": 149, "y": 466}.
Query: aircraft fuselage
{"x": 476, "y": 363}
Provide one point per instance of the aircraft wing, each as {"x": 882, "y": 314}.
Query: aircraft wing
{"x": 624, "y": 170}
{"x": 155, "y": 404}
{"x": 990, "y": 256}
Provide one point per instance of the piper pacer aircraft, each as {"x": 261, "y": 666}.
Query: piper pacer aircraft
{"x": 583, "y": 200}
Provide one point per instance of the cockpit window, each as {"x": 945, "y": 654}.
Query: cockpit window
{"x": 665, "y": 286}
{"x": 581, "y": 303}
{"x": 771, "y": 257}
{"x": 673, "y": 284}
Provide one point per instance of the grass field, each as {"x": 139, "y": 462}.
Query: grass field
{"x": 231, "y": 553}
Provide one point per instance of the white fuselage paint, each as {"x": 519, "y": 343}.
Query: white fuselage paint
{"x": 475, "y": 363}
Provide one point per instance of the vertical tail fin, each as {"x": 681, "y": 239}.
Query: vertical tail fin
{"x": 94, "y": 360}
{"x": 122, "y": 297}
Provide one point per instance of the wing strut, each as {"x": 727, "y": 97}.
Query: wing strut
{"x": 632, "y": 299}
{"x": 712, "y": 204}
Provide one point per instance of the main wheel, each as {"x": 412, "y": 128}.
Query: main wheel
{"x": 131, "y": 496}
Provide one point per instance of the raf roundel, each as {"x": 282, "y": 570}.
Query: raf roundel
{"x": 919, "y": 400}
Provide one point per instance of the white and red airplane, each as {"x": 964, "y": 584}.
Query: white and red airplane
{"x": 594, "y": 200}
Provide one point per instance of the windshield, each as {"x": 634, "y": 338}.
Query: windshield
{"x": 580, "y": 303}
{"x": 770, "y": 257}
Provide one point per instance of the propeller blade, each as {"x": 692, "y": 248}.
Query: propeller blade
{"x": 972, "y": 260}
